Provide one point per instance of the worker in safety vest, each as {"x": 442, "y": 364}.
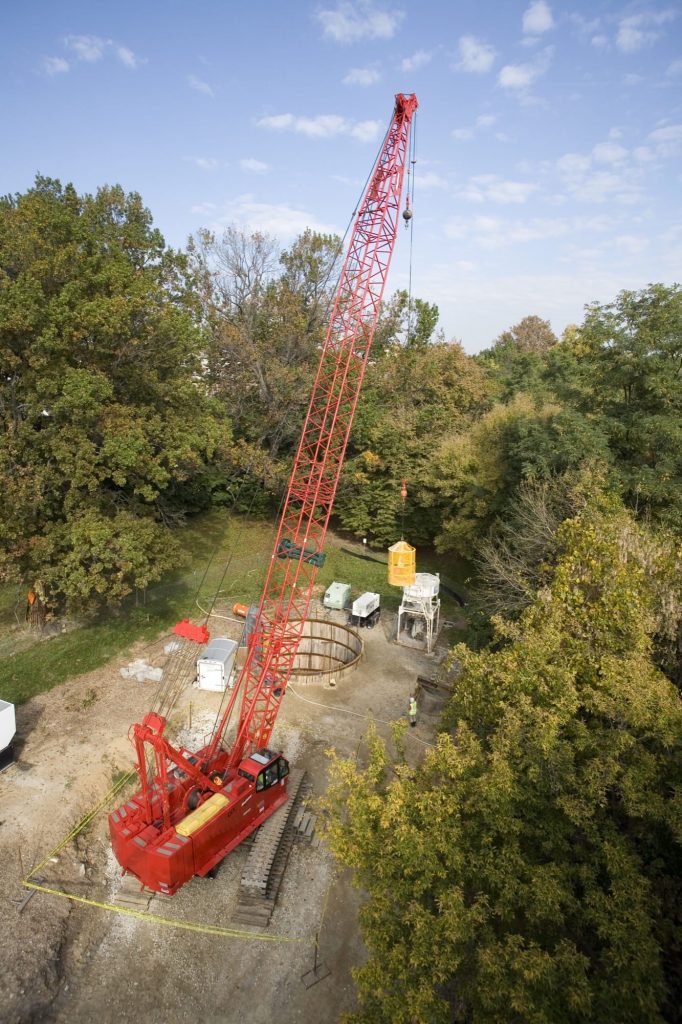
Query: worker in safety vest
{"x": 412, "y": 710}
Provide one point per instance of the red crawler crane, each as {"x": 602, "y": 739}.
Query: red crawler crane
{"x": 201, "y": 805}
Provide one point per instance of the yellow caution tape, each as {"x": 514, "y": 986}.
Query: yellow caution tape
{"x": 172, "y": 922}
{"x": 83, "y": 822}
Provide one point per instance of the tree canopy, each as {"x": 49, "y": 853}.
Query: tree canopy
{"x": 107, "y": 430}
{"x": 529, "y": 868}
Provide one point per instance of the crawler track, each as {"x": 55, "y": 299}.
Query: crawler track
{"x": 267, "y": 858}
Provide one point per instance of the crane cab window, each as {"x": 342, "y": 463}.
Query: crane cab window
{"x": 283, "y": 768}
{"x": 269, "y": 776}
{"x": 246, "y": 775}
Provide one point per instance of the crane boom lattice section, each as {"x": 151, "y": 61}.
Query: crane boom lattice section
{"x": 298, "y": 548}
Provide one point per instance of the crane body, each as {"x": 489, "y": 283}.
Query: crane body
{"x": 198, "y": 806}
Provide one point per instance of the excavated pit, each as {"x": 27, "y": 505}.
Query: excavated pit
{"x": 328, "y": 651}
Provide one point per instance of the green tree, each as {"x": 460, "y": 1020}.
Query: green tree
{"x": 408, "y": 322}
{"x": 474, "y": 474}
{"x": 529, "y": 869}
{"x": 621, "y": 369}
{"x": 517, "y": 358}
{"x": 266, "y": 316}
{"x": 107, "y": 434}
{"x": 412, "y": 395}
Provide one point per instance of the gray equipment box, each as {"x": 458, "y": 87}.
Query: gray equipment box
{"x": 337, "y": 595}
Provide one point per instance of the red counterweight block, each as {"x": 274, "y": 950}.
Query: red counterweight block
{"x": 199, "y": 634}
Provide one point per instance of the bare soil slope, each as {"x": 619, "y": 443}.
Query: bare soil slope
{"x": 65, "y": 962}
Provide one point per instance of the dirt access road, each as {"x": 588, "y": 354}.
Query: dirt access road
{"x": 68, "y": 963}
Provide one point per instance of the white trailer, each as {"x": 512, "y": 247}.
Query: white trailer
{"x": 365, "y": 609}
{"x": 8, "y": 727}
{"x": 215, "y": 664}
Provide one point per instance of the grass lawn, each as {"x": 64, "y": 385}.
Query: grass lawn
{"x": 225, "y": 553}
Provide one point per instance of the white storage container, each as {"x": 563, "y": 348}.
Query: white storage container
{"x": 215, "y": 664}
{"x": 365, "y": 604}
{"x": 8, "y": 725}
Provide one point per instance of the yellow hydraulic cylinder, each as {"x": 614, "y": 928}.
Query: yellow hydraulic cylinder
{"x": 402, "y": 564}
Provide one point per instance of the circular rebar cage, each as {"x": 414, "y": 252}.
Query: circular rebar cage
{"x": 327, "y": 652}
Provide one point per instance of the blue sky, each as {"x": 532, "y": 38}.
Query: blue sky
{"x": 549, "y": 135}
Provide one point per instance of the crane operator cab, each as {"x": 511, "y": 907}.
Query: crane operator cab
{"x": 263, "y": 770}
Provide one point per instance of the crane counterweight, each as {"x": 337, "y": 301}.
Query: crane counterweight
{"x": 158, "y": 835}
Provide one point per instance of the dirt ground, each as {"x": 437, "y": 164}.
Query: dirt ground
{"x": 67, "y": 962}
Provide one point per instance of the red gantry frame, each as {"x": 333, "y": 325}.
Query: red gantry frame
{"x": 194, "y": 808}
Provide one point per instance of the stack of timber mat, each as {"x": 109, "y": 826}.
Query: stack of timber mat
{"x": 133, "y": 894}
{"x": 267, "y": 859}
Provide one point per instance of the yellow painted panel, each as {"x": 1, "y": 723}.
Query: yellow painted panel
{"x": 194, "y": 821}
{"x": 402, "y": 564}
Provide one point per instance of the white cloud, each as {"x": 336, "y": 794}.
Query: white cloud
{"x": 666, "y": 140}
{"x": 643, "y": 155}
{"x": 345, "y": 180}
{"x": 589, "y": 185}
{"x": 93, "y": 48}
{"x": 324, "y": 126}
{"x": 632, "y": 244}
{"x": 197, "y": 84}
{"x": 205, "y": 163}
{"x": 278, "y": 219}
{"x": 609, "y": 153}
{"x": 255, "y": 166}
{"x": 600, "y": 41}
{"x": 127, "y": 57}
{"x": 352, "y": 22}
{"x": 203, "y": 208}
{"x": 573, "y": 165}
{"x": 492, "y": 188}
{"x": 482, "y": 121}
{"x": 418, "y": 60}
{"x": 495, "y": 233}
{"x": 521, "y": 76}
{"x": 55, "y": 65}
{"x": 671, "y": 133}
{"x": 537, "y": 18}
{"x": 87, "y": 48}
{"x": 362, "y": 76}
{"x": 474, "y": 56}
{"x": 277, "y": 121}
{"x": 674, "y": 69}
{"x": 366, "y": 131}
{"x": 639, "y": 30}
{"x": 429, "y": 180}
